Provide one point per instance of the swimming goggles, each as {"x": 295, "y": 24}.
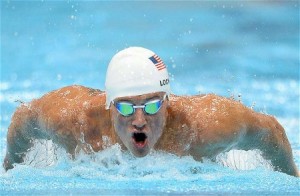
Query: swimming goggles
{"x": 128, "y": 109}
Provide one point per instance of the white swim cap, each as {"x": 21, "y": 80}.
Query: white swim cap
{"x": 135, "y": 71}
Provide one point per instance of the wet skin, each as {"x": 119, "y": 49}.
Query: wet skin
{"x": 75, "y": 118}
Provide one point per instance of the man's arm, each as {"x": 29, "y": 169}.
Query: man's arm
{"x": 253, "y": 130}
{"x": 216, "y": 124}
{"x": 270, "y": 138}
{"x": 19, "y": 136}
{"x": 73, "y": 117}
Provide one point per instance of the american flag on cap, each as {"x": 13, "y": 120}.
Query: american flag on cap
{"x": 159, "y": 64}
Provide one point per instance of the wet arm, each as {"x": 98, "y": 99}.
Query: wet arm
{"x": 19, "y": 135}
{"x": 266, "y": 134}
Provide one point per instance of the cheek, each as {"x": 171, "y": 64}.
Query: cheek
{"x": 157, "y": 124}
{"x": 119, "y": 124}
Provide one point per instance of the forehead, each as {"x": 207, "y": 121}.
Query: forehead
{"x": 143, "y": 97}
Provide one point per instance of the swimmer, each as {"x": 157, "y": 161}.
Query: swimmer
{"x": 138, "y": 111}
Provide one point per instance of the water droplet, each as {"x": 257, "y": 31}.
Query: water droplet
{"x": 58, "y": 77}
{"x": 253, "y": 105}
{"x": 239, "y": 97}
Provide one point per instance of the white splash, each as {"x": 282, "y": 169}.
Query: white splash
{"x": 243, "y": 160}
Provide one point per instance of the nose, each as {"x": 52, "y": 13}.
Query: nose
{"x": 139, "y": 120}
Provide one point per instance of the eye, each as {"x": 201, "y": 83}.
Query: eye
{"x": 125, "y": 109}
{"x": 152, "y": 107}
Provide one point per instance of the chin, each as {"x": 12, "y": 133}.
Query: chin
{"x": 140, "y": 154}
{"x": 139, "y": 151}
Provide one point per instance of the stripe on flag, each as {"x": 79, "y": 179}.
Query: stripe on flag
{"x": 159, "y": 64}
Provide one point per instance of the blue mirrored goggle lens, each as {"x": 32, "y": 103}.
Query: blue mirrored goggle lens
{"x": 127, "y": 109}
{"x": 152, "y": 108}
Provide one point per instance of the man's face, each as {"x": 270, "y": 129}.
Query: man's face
{"x": 140, "y": 131}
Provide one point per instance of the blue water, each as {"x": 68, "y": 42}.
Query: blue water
{"x": 245, "y": 50}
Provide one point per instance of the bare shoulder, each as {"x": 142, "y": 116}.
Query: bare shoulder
{"x": 74, "y": 97}
{"x": 71, "y": 94}
{"x": 60, "y": 101}
{"x": 209, "y": 103}
{"x": 213, "y": 112}
{"x": 68, "y": 107}
{"x": 68, "y": 113}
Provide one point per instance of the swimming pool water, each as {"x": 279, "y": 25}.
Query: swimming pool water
{"x": 245, "y": 50}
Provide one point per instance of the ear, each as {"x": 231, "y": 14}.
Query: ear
{"x": 111, "y": 116}
{"x": 110, "y": 113}
{"x": 167, "y": 107}
{"x": 167, "y": 101}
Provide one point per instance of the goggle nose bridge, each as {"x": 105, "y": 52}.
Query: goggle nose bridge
{"x": 139, "y": 106}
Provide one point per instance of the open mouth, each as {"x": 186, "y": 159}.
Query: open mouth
{"x": 139, "y": 139}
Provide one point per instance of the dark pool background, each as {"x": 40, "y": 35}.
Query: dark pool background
{"x": 246, "y": 50}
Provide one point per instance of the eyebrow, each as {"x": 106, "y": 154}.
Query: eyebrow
{"x": 152, "y": 98}
{"x": 143, "y": 102}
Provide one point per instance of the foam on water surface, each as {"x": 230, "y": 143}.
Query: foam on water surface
{"x": 115, "y": 171}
